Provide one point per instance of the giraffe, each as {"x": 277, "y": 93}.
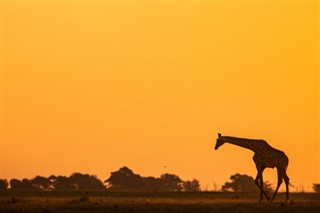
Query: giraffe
{"x": 265, "y": 156}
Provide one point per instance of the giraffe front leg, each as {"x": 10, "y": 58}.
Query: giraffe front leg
{"x": 261, "y": 187}
{"x": 259, "y": 182}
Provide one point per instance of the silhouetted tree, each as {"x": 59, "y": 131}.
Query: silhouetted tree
{"x": 191, "y": 186}
{"x": 3, "y": 185}
{"x": 316, "y": 187}
{"x": 27, "y": 185}
{"x": 85, "y": 182}
{"x": 40, "y": 183}
{"x": 124, "y": 180}
{"x": 151, "y": 184}
{"x": 171, "y": 182}
{"x": 24, "y": 185}
{"x": 15, "y": 184}
{"x": 243, "y": 183}
{"x": 62, "y": 183}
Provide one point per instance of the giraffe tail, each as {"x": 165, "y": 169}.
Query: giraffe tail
{"x": 288, "y": 179}
{"x": 286, "y": 176}
{"x": 289, "y": 183}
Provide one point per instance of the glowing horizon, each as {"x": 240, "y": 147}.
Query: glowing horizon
{"x": 91, "y": 87}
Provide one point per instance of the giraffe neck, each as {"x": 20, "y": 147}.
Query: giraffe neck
{"x": 252, "y": 144}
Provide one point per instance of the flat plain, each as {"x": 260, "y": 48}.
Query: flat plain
{"x": 119, "y": 202}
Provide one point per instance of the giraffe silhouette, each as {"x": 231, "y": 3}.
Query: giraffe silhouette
{"x": 265, "y": 156}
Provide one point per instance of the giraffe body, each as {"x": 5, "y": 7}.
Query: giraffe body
{"x": 265, "y": 156}
{"x": 270, "y": 159}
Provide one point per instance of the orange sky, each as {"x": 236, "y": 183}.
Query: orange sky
{"x": 91, "y": 87}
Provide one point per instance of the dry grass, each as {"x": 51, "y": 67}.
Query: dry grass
{"x": 154, "y": 202}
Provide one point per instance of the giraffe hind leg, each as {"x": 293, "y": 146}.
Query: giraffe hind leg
{"x": 286, "y": 180}
{"x": 280, "y": 177}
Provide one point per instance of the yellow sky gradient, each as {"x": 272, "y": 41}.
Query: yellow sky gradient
{"x": 93, "y": 86}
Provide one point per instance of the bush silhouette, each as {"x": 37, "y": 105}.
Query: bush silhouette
{"x": 243, "y": 183}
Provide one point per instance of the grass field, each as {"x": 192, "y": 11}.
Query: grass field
{"x": 50, "y": 202}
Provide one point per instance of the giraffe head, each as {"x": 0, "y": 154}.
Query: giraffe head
{"x": 220, "y": 141}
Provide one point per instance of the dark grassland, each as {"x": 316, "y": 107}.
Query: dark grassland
{"x": 50, "y": 202}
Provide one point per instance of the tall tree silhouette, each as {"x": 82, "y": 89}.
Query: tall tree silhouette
{"x": 86, "y": 182}
{"x": 124, "y": 179}
{"x": 171, "y": 182}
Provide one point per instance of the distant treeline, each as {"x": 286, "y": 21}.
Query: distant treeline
{"x": 126, "y": 180}
{"x": 122, "y": 180}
